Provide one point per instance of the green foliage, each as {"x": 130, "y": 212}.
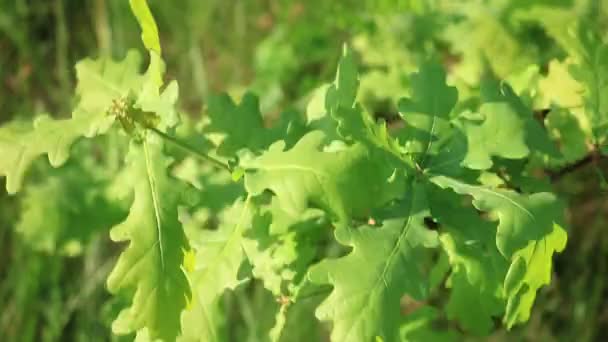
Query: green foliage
{"x": 99, "y": 82}
{"x": 335, "y": 225}
{"x": 366, "y": 306}
{"x": 427, "y": 112}
{"x": 64, "y": 211}
{"x": 216, "y": 264}
{"x": 152, "y": 264}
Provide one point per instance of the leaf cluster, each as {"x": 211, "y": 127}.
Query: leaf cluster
{"x": 335, "y": 205}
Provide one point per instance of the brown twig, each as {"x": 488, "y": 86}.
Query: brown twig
{"x": 593, "y": 157}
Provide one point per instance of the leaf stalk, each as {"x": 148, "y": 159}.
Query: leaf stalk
{"x": 190, "y": 149}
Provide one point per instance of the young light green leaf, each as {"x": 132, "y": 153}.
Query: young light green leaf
{"x": 149, "y": 37}
{"x": 280, "y": 247}
{"x": 590, "y": 70}
{"x": 531, "y": 269}
{"x": 559, "y": 88}
{"x": 348, "y": 182}
{"x": 99, "y": 82}
{"x": 61, "y": 212}
{"x": 219, "y": 255}
{"x": 103, "y": 80}
{"x": 19, "y": 147}
{"x": 152, "y": 264}
{"x": 147, "y": 23}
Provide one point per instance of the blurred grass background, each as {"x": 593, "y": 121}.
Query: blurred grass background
{"x": 280, "y": 49}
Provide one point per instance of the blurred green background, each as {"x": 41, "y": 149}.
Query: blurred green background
{"x": 281, "y": 50}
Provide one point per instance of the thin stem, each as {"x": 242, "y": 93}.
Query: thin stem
{"x": 61, "y": 48}
{"x": 199, "y": 73}
{"x": 319, "y": 292}
{"x": 191, "y": 149}
{"x": 103, "y": 32}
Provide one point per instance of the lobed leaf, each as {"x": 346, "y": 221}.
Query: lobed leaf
{"x": 426, "y": 114}
{"x": 152, "y": 265}
{"x": 60, "y": 213}
{"x": 219, "y": 255}
{"x": 528, "y": 235}
{"x": 99, "y": 82}
{"x": 348, "y": 182}
{"x": 486, "y": 139}
{"x": 536, "y": 137}
{"x": 478, "y": 268}
{"x": 383, "y": 266}
{"x": 243, "y": 128}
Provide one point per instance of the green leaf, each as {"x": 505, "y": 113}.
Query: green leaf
{"x": 531, "y": 269}
{"x": 149, "y": 37}
{"x": 333, "y": 110}
{"x": 317, "y": 117}
{"x": 528, "y": 235}
{"x": 300, "y": 324}
{"x": 487, "y": 139}
{"x": 426, "y": 113}
{"x": 340, "y": 99}
{"x": 522, "y": 218}
{"x": 558, "y": 21}
{"x": 491, "y": 44}
{"x": 161, "y": 104}
{"x": 215, "y": 190}
{"x": 150, "y": 98}
{"x": 590, "y": 70}
{"x": 536, "y": 137}
{"x": 566, "y": 129}
{"x": 450, "y": 157}
{"x": 383, "y": 266}
{"x": 478, "y": 268}
{"x": 99, "y": 82}
{"x": 567, "y": 122}
{"x": 219, "y": 255}
{"x": 151, "y": 266}
{"x": 280, "y": 247}
{"x": 241, "y": 123}
{"x": 559, "y": 88}
{"x": 430, "y": 93}
{"x": 147, "y": 23}
{"x": 343, "y": 91}
{"x": 20, "y": 147}
{"x": 103, "y": 80}
{"x": 61, "y": 212}
{"x": 347, "y": 182}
